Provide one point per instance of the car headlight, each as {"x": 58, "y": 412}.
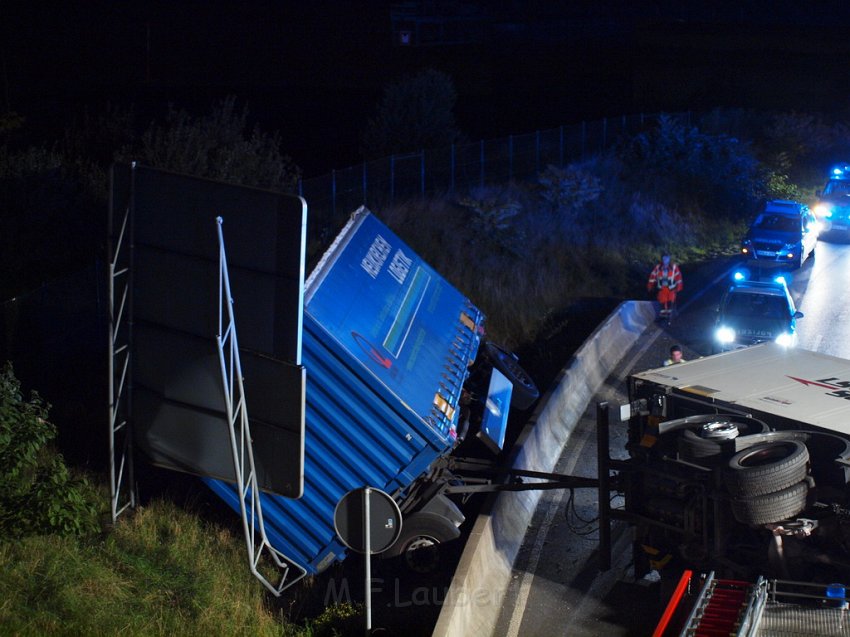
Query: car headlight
{"x": 823, "y": 210}
{"x": 786, "y": 339}
{"x": 724, "y": 335}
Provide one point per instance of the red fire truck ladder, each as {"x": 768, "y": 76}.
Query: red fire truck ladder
{"x": 722, "y": 607}
{"x": 768, "y": 608}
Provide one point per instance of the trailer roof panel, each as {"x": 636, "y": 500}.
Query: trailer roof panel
{"x": 792, "y": 383}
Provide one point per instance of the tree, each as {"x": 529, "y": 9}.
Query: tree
{"x": 217, "y": 146}
{"x": 415, "y": 113}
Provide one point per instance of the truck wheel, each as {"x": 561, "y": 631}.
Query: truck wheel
{"x": 419, "y": 540}
{"x": 771, "y": 507}
{"x": 766, "y": 468}
{"x": 524, "y": 392}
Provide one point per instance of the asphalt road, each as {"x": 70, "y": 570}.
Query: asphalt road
{"x": 819, "y": 290}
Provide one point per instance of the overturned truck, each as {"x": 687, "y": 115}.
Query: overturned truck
{"x": 398, "y": 373}
{"x": 368, "y": 374}
{"x": 738, "y": 464}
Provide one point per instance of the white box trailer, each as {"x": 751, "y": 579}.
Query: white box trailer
{"x": 738, "y": 463}
{"x": 795, "y": 386}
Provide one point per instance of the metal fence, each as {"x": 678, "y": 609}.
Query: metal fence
{"x": 458, "y": 168}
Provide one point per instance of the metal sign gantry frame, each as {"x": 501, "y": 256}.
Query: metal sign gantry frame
{"x": 240, "y": 438}
{"x": 122, "y": 488}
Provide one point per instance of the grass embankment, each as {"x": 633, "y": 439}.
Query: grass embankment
{"x": 160, "y": 571}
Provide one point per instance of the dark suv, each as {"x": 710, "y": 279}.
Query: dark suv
{"x": 784, "y": 233}
{"x": 833, "y": 207}
{"x": 754, "y": 311}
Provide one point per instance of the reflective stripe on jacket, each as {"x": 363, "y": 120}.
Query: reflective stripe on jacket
{"x": 665, "y": 277}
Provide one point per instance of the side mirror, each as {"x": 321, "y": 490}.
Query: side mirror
{"x": 798, "y": 314}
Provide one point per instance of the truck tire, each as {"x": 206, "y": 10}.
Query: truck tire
{"x": 771, "y": 507}
{"x": 524, "y": 392}
{"x": 766, "y": 468}
{"x": 421, "y": 534}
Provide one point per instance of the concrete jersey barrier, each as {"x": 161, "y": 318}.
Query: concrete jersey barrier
{"x": 478, "y": 588}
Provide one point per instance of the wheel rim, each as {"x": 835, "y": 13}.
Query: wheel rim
{"x": 719, "y": 430}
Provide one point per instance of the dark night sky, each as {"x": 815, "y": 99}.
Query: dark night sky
{"x": 314, "y": 70}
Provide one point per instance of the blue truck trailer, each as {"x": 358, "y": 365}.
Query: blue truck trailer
{"x": 398, "y": 372}
{"x": 369, "y": 373}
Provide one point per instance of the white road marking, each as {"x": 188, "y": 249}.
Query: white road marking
{"x": 539, "y": 541}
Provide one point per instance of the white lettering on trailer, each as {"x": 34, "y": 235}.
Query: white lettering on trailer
{"x": 400, "y": 266}
{"x": 376, "y": 256}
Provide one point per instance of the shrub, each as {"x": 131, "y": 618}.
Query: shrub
{"x": 796, "y": 143}
{"x": 337, "y": 620}
{"x": 687, "y": 169}
{"x": 569, "y": 188}
{"x": 217, "y": 146}
{"x": 415, "y": 113}
{"x": 38, "y": 494}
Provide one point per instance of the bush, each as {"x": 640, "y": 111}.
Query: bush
{"x": 687, "y": 169}
{"x": 804, "y": 145}
{"x": 337, "y": 620}
{"x": 415, "y": 113}
{"x": 218, "y": 147}
{"x": 38, "y": 494}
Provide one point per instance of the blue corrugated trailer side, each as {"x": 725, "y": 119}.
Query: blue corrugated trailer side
{"x": 387, "y": 346}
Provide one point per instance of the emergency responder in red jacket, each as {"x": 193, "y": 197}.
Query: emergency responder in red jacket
{"x": 666, "y": 278}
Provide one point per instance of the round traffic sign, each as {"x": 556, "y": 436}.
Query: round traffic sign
{"x": 384, "y": 520}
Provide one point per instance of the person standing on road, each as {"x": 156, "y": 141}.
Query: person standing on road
{"x": 666, "y": 280}
{"x": 675, "y": 356}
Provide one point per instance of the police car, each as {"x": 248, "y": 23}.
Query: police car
{"x": 784, "y": 234}
{"x": 751, "y": 312}
{"x": 833, "y": 207}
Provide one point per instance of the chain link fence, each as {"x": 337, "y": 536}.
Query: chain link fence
{"x": 457, "y": 169}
